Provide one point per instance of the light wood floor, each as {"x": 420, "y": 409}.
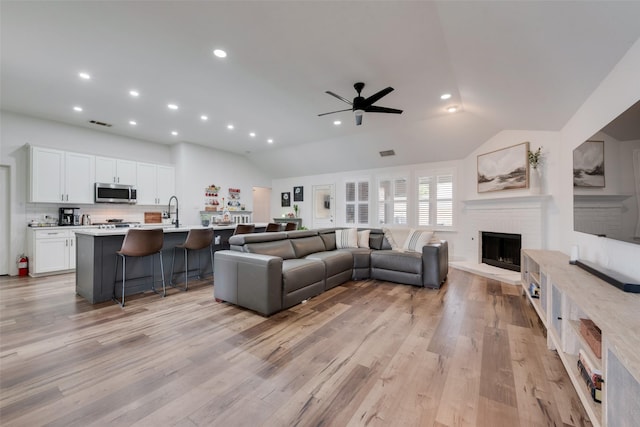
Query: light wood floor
{"x": 366, "y": 353}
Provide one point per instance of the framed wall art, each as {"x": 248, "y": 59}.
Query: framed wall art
{"x": 285, "y": 199}
{"x": 298, "y": 194}
{"x": 588, "y": 164}
{"x": 504, "y": 169}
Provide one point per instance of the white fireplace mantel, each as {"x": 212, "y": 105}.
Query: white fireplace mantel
{"x": 512, "y": 202}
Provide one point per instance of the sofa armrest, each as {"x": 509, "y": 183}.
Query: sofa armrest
{"x": 253, "y": 281}
{"x": 435, "y": 264}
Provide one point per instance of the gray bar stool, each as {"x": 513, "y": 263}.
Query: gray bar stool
{"x": 140, "y": 243}
{"x": 196, "y": 239}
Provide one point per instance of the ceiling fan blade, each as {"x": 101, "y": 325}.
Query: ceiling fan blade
{"x": 375, "y": 109}
{"x": 339, "y": 97}
{"x": 339, "y": 111}
{"x": 376, "y": 96}
{"x": 358, "y": 119}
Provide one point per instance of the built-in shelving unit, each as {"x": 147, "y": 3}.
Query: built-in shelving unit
{"x": 568, "y": 294}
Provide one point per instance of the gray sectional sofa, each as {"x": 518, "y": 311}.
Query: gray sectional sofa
{"x": 270, "y": 272}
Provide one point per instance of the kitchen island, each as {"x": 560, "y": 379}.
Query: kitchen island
{"x": 96, "y": 260}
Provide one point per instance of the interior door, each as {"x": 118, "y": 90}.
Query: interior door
{"x": 324, "y": 206}
{"x": 261, "y": 204}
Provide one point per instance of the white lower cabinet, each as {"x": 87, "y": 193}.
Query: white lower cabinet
{"x": 51, "y": 251}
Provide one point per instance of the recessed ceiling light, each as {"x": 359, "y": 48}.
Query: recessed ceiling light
{"x": 445, "y": 96}
{"x": 85, "y": 76}
{"x": 174, "y": 132}
{"x": 134, "y": 93}
{"x": 78, "y": 109}
{"x": 452, "y": 109}
{"x": 270, "y": 141}
{"x": 204, "y": 118}
{"x": 172, "y": 106}
{"x": 220, "y": 53}
{"x": 252, "y": 134}
{"x": 132, "y": 122}
{"x": 337, "y": 122}
{"x": 230, "y": 126}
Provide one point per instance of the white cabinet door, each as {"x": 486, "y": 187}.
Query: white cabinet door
{"x": 79, "y": 178}
{"x": 166, "y": 183}
{"x": 47, "y": 175}
{"x": 51, "y": 255}
{"x": 115, "y": 171}
{"x": 126, "y": 172}
{"x": 72, "y": 250}
{"x": 106, "y": 170}
{"x": 156, "y": 183}
{"x": 146, "y": 184}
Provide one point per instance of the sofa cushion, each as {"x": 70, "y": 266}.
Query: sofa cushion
{"x": 376, "y": 239}
{"x": 241, "y": 239}
{"x": 417, "y": 239}
{"x": 361, "y": 257}
{"x": 347, "y": 238}
{"x": 335, "y": 261}
{"x": 279, "y": 248}
{"x": 299, "y": 273}
{"x": 307, "y": 245}
{"x": 410, "y": 262}
{"x": 329, "y": 239}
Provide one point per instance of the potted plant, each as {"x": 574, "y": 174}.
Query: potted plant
{"x": 295, "y": 209}
{"x": 535, "y": 161}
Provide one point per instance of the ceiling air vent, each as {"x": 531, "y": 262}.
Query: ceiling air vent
{"x": 387, "y": 153}
{"x": 95, "y": 122}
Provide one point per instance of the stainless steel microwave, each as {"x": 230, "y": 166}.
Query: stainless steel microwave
{"x": 115, "y": 193}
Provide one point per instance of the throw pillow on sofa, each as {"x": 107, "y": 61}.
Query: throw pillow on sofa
{"x": 363, "y": 238}
{"x": 417, "y": 239}
{"x": 347, "y": 238}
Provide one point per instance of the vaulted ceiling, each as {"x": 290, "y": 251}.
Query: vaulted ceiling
{"x": 508, "y": 65}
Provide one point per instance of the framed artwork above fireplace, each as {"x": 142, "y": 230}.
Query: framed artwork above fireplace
{"x": 504, "y": 169}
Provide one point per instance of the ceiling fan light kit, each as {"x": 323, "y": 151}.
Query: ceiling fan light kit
{"x": 361, "y": 105}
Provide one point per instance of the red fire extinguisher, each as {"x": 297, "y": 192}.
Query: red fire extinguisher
{"x": 23, "y": 265}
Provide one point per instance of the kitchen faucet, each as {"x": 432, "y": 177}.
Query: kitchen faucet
{"x": 177, "y": 222}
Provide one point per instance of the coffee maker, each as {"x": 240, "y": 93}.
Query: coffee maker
{"x": 68, "y": 216}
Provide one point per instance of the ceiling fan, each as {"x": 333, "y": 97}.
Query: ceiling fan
{"x": 361, "y": 105}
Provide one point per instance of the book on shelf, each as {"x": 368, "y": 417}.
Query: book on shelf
{"x": 596, "y": 392}
{"x": 594, "y": 374}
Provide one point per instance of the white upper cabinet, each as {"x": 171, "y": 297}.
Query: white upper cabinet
{"x": 47, "y": 175}
{"x": 166, "y": 183}
{"x": 79, "y": 177}
{"x": 60, "y": 177}
{"x": 116, "y": 171}
{"x": 155, "y": 183}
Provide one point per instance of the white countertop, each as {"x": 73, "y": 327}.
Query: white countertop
{"x": 96, "y": 231}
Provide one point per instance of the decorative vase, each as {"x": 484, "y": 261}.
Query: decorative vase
{"x": 535, "y": 181}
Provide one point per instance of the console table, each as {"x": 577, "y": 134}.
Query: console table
{"x": 568, "y": 294}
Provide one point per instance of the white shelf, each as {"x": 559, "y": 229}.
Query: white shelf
{"x": 571, "y": 293}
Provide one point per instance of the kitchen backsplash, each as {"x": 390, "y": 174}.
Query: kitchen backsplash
{"x": 99, "y": 213}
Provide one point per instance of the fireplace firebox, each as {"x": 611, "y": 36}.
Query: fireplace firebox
{"x": 501, "y": 250}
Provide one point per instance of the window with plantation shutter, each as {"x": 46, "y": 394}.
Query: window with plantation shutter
{"x": 435, "y": 199}
{"x": 357, "y": 202}
{"x": 392, "y": 201}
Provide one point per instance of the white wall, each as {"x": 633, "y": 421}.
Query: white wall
{"x": 338, "y": 179}
{"x": 619, "y": 90}
{"x": 196, "y": 167}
